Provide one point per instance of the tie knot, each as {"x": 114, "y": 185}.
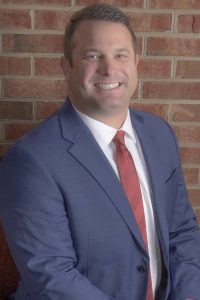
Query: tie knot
{"x": 119, "y": 138}
{"x": 120, "y": 144}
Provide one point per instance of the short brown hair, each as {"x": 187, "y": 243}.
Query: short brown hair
{"x": 100, "y": 12}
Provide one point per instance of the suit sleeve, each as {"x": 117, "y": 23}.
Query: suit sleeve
{"x": 38, "y": 232}
{"x": 184, "y": 245}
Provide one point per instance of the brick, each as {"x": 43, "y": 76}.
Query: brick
{"x": 188, "y": 69}
{"x": 139, "y": 45}
{"x": 32, "y": 43}
{"x": 191, "y": 175}
{"x": 52, "y": 19}
{"x": 17, "y": 110}
{"x": 154, "y": 68}
{"x": 3, "y": 149}
{"x": 129, "y": 3}
{"x": 48, "y": 66}
{"x": 1, "y": 130}
{"x": 1, "y": 86}
{"x": 150, "y": 22}
{"x": 171, "y": 4}
{"x": 189, "y": 24}
{"x": 123, "y": 3}
{"x": 158, "y": 109}
{"x": 15, "y": 65}
{"x": 173, "y": 46}
{"x": 186, "y": 112}
{"x": 171, "y": 90}
{"x": 35, "y": 88}
{"x": 45, "y": 109}
{"x": 13, "y": 18}
{"x": 197, "y": 214}
{"x": 38, "y": 2}
{"x": 190, "y": 155}
{"x": 194, "y": 196}
{"x": 88, "y": 2}
{"x": 188, "y": 133}
{"x": 139, "y": 22}
{"x": 14, "y": 131}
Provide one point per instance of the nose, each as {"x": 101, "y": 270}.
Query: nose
{"x": 107, "y": 66}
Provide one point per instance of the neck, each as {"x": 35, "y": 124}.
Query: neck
{"x": 113, "y": 121}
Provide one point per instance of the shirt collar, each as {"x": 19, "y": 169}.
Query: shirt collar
{"x": 103, "y": 133}
{"x": 127, "y": 127}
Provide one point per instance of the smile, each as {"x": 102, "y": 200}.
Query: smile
{"x": 107, "y": 86}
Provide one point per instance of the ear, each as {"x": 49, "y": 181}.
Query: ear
{"x": 65, "y": 65}
{"x": 136, "y": 59}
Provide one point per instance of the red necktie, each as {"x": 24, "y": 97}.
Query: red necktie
{"x": 130, "y": 182}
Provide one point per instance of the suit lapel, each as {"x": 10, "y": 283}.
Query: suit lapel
{"x": 157, "y": 174}
{"x": 86, "y": 150}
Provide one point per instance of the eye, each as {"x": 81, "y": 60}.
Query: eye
{"x": 92, "y": 57}
{"x": 122, "y": 56}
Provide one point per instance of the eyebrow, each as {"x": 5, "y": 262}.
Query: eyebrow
{"x": 96, "y": 50}
{"x": 123, "y": 50}
{"x": 91, "y": 50}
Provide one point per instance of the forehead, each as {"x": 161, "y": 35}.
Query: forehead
{"x": 101, "y": 32}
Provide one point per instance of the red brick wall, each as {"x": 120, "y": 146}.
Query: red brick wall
{"x": 32, "y": 85}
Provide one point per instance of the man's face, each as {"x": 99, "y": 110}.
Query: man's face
{"x": 103, "y": 76}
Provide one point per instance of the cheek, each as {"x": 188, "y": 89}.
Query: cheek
{"x": 133, "y": 75}
{"x": 130, "y": 70}
{"x": 88, "y": 72}
{"x": 85, "y": 78}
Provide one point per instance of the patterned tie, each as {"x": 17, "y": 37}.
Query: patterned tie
{"x": 130, "y": 182}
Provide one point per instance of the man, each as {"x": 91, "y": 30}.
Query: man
{"x": 93, "y": 200}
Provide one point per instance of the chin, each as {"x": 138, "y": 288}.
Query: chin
{"x": 115, "y": 108}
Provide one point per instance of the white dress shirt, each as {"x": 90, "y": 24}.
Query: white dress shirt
{"x": 104, "y": 135}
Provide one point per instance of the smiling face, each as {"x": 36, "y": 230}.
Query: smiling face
{"x": 103, "y": 76}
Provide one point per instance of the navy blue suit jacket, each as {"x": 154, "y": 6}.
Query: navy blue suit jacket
{"x": 69, "y": 225}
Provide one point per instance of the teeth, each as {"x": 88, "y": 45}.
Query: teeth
{"x": 107, "y": 86}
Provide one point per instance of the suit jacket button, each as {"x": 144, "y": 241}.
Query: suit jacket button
{"x": 141, "y": 269}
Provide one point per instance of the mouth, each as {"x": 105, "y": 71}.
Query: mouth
{"x": 108, "y": 86}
